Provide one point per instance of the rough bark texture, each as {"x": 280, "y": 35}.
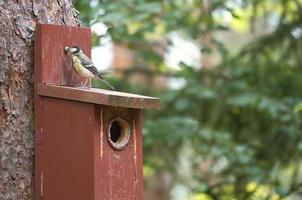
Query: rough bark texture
{"x": 18, "y": 20}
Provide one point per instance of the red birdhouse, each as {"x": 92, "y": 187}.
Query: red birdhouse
{"x": 88, "y": 142}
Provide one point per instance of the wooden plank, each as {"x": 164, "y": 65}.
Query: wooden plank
{"x": 99, "y": 96}
{"x": 53, "y": 65}
{"x": 66, "y": 152}
{"x": 119, "y": 172}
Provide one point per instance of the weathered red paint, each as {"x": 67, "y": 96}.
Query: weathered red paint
{"x": 65, "y": 164}
{"x": 73, "y": 158}
{"x": 119, "y": 173}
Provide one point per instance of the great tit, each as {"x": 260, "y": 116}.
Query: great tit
{"x": 84, "y": 66}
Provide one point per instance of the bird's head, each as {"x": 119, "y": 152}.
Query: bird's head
{"x": 74, "y": 49}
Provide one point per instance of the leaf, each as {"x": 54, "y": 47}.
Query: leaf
{"x": 243, "y": 100}
{"x": 113, "y": 17}
{"x": 149, "y": 7}
{"x": 298, "y": 107}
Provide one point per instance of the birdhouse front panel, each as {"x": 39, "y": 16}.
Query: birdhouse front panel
{"x": 119, "y": 160}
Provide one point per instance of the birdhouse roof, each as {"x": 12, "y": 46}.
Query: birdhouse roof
{"x": 99, "y": 96}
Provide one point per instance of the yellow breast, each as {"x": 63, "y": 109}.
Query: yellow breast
{"x": 80, "y": 69}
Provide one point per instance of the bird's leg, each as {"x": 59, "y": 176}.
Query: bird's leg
{"x": 90, "y": 83}
{"x": 83, "y": 84}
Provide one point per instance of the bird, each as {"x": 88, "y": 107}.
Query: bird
{"x": 84, "y": 66}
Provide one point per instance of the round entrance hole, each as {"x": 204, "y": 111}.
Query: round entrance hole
{"x": 118, "y": 133}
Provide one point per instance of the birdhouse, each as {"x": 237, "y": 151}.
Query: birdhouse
{"x": 88, "y": 142}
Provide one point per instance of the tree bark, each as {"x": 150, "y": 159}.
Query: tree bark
{"x": 18, "y": 20}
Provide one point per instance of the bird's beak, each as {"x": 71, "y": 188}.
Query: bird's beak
{"x": 66, "y": 49}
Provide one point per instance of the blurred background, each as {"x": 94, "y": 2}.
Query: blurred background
{"x": 229, "y": 76}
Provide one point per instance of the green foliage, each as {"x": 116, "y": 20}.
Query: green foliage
{"x": 237, "y": 117}
{"x": 298, "y": 107}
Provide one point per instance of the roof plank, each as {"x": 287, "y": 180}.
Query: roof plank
{"x": 99, "y": 96}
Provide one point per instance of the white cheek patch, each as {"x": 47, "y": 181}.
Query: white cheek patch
{"x": 72, "y": 50}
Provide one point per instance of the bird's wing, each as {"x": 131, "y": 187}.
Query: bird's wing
{"x": 94, "y": 70}
{"x": 98, "y": 74}
{"x": 84, "y": 59}
{"x": 87, "y": 63}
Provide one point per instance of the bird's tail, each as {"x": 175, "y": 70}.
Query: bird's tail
{"x": 99, "y": 75}
{"x": 107, "y": 83}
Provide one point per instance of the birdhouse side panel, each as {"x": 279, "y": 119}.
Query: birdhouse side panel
{"x": 64, "y": 150}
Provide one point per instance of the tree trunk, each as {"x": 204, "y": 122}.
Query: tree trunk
{"x": 18, "y": 20}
